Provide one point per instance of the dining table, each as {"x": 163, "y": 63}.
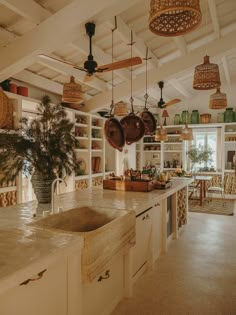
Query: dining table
{"x": 200, "y": 182}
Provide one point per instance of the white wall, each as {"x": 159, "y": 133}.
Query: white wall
{"x": 126, "y": 159}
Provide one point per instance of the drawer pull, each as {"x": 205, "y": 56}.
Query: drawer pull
{"x": 147, "y": 216}
{"x": 107, "y": 275}
{"x": 132, "y": 243}
{"x": 39, "y": 276}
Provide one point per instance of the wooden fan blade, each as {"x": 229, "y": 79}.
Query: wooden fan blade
{"x": 60, "y": 61}
{"x": 88, "y": 78}
{"x": 172, "y": 102}
{"x": 121, "y": 64}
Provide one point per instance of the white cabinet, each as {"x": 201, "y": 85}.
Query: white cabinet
{"x": 102, "y": 295}
{"x": 44, "y": 293}
{"x": 141, "y": 249}
{"x": 156, "y": 231}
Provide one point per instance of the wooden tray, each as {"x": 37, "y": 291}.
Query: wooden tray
{"x": 163, "y": 186}
{"x": 128, "y": 185}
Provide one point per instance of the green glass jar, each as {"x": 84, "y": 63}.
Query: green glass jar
{"x": 177, "y": 119}
{"x": 229, "y": 115}
{"x": 220, "y": 117}
{"x": 185, "y": 117}
{"x": 195, "y": 117}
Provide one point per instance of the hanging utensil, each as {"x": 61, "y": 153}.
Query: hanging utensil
{"x": 132, "y": 125}
{"x": 147, "y": 117}
{"x": 113, "y": 130}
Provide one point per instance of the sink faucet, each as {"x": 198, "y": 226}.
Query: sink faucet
{"x": 60, "y": 180}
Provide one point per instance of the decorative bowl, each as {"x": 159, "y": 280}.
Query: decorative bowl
{"x": 103, "y": 113}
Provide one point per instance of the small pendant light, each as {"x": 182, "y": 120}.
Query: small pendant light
{"x": 218, "y": 100}
{"x": 206, "y": 76}
{"x": 174, "y": 17}
{"x": 161, "y": 134}
{"x": 186, "y": 133}
{"x": 72, "y": 92}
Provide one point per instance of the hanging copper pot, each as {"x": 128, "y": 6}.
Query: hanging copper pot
{"x": 149, "y": 122}
{"x": 133, "y": 127}
{"x": 114, "y": 133}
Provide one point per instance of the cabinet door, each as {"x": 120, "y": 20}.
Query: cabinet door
{"x": 143, "y": 237}
{"x": 45, "y": 296}
{"x": 104, "y": 293}
{"x": 156, "y": 232}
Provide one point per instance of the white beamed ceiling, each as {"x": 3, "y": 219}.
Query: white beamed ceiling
{"x": 26, "y": 19}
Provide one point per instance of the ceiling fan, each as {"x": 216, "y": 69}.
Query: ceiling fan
{"x": 162, "y": 103}
{"x": 90, "y": 65}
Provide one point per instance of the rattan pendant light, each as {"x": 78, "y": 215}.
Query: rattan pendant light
{"x": 174, "y": 17}
{"x": 72, "y": 92}
{"x": 186, "y": 133}
{"x": 218, "y": 100}
{"x": 206, "y": 76}
{"x": 161, "y": 134}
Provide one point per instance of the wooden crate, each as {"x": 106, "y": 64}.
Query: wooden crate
{"x": 128, "y": 185}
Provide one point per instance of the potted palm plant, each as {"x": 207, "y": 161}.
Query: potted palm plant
{"x": 42, "y": 147}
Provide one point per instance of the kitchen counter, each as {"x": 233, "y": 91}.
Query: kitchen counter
{"x": 22, "y": 245}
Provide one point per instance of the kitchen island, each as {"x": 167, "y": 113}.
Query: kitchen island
{"x": 27, "y": 250}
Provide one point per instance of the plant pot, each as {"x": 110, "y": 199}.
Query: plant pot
{"x": 42, "y": 187}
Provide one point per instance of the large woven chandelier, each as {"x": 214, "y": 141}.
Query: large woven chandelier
{"x": 218, "y": 100}
{"x": 72, "y": 92}
{"x": 174, "y": 17}
{"x": 206, "y": 75}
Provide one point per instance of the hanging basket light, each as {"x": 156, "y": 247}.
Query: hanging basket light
{"x": 121, "y": 109}
{"x": 206, "y": 75}
{"x": 161, "y": 134}
{"x": 218, "y": 100}
{"x": 72, "y": 92}
{"x": 174, "y": 17}
{"x": 186, "y": 133}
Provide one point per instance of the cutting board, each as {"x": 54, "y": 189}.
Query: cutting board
{"x": 114, "y": 184}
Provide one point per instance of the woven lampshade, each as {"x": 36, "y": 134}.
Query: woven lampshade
{"x": 174, "y": 17}
{"x": 206, "y": 76}
{"x": 72, "y": 92}
{"x": 161, "y": 134}
{"x": 218, "y": 100}
{"x": 121, "y": 109}
{"x": 186, "y": 134}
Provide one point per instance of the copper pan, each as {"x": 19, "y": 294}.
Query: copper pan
{"x": 149, "y": 121}
{"x": 133, "y": 127}
{"x": 114, "y": 133}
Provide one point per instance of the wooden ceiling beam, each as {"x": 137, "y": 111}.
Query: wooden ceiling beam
{"x": 214, "y": 17}
{"x": 226, "y": 70}
{"x": 218, "y": 47}
{"x": 22, "y": 51}
{"x": 28, "y": 9}
{"x": 41, "y": 82}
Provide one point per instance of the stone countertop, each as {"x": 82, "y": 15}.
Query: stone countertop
{"x": 22, "y": 245}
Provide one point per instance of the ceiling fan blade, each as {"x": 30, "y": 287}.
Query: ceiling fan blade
{"x": 172, "y": 102}
{"x": 60, "y": 61}
{"x": 120, "y": 64}
{"x": 88, "y": 78}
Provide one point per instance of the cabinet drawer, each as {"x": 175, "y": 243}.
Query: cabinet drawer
{"x": 103, "y": 293}
{"x": 46, "y": 295}
{"x": 143, "y": 233}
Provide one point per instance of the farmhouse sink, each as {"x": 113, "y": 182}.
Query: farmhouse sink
{"x": 106, "y": 233}
{"x": 84, "y": 219}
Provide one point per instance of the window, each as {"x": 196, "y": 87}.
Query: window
{"x": 208, "y": 137}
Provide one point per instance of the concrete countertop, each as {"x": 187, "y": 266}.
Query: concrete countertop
{"x": 22, "y": 246}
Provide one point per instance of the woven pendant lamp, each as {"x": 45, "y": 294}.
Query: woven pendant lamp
{"x": 174, "y": 17}
{"x": 186, "y": 133}
{"x": 161, "y": 134}
{"x": 72, "y": 92}
{"x": 121, "y": 109}
{"x": 206, "y": 76}
{"x": 218, "y": 100}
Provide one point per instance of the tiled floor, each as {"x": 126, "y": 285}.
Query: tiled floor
{"x": 196, "y": 277}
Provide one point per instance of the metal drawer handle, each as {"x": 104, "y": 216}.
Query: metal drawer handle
{"x": 107, "y": 275}
{"x": 147, "y": 216}
{"x": 132, "y": 243}
{"x": 39, "y": 276}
